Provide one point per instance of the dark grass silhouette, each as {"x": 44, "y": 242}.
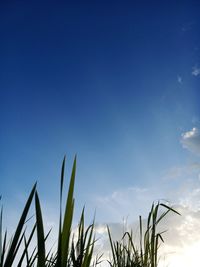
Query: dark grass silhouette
{"x": 76, "y": 252}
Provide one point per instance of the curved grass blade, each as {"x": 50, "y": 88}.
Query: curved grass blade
{"x": 89, "y": 247}
{"x": 170, "y": 208}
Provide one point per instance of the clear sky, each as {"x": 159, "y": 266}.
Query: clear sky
{"x": 115, "y": 82}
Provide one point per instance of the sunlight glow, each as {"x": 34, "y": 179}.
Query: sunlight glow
{"x": 186, "y": 256}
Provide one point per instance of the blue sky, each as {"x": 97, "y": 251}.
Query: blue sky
{"x": 116, "y": 82}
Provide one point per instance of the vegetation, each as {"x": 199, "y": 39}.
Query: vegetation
{"x": 77, "y": 252}
{"x": 125, "y": 253}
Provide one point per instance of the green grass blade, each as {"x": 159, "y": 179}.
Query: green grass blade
{"x": 89, "y": 247}
{"x": 40, "y": 233}
{"x": 62, "y": 178}
{"x": 112, "y": 246}
{"x": 68, "y": 215}
{"x": 59, "y": 249}
{"x": 141, "y": 237}
{"x": 170, "y": 208}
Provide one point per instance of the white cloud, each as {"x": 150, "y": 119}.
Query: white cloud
{"x": 182, "y": 235}
{"x": 187, "y": 26}
{"x": 182, "y": 239}
{"x": 191, "y": 140}
{"x": 195, "y": 71}
{"x": 179, "y": 79}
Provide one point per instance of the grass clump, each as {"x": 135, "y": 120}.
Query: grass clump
{"x": 68, "y": 253}
{"x": 77, "y": 251}
{"x": 126, "y": 253}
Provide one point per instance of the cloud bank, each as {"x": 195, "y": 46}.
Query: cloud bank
{"x": 182, "y": 239}
{"x": 191, "y": 140}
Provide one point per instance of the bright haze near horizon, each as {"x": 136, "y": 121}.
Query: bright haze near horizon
{"x": 118, "y": 84}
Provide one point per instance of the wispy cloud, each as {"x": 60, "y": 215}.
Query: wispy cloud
{"x": 179, "y": 79}
{"x": 127, "y": 202}
{"x": 191, "y": 140}
{"x": 187, "y": 26}
{"x": 182, "y": 172}
{"x": 195, "y": 71}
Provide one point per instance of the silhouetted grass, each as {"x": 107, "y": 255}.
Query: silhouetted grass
{"x": 68, "y": 252}
{"x": 127, "y": 253}
{"x": 21, "y": 250}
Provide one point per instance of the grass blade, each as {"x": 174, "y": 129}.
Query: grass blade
{"x": 59, "y": 249}
{"x": 40, "y": 233}
{"x": 68, "y": 215}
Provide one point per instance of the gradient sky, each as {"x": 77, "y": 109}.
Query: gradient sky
{"x": 115, "y": 82}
